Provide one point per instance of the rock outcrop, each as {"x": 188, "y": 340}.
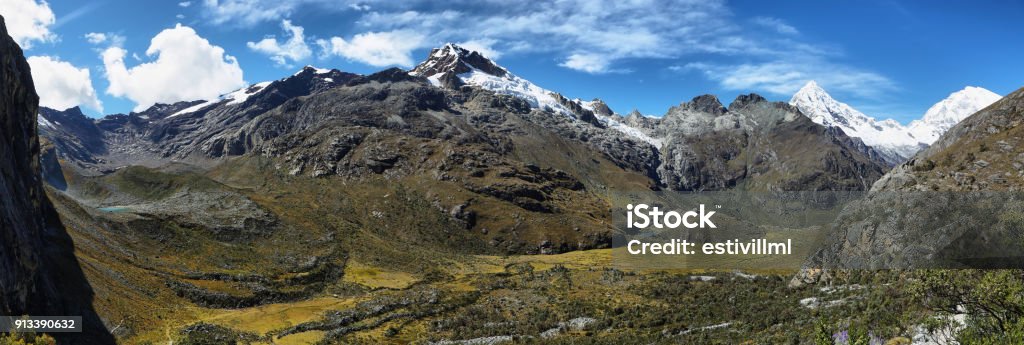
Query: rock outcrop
{"x": 21, "y": 204}
{"x": 39, "y": 274}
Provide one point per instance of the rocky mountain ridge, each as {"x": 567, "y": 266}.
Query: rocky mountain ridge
{"x": 672, "y": 151}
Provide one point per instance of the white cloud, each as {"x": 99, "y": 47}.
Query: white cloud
{"x": 185, "y": 67}
{"x": 482, "y": 46}
{"x": 252, "y": 12}
{"x": 294, "y": 49}
{"x": 590, "y": 63}
{"x": 61, "y": 85}
{"x": 247, "y": 12}
{"x": 785, "y": 77}
{"x": 776, "y": 24}
{"x": 96, "y": 37}
{"x": 376, "y": 48}
{"x": 28, "y": 21}
{"x": 589, "y": 36}
{"x": 185, "y": 3}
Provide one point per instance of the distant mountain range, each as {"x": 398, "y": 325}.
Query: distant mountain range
{"x": 893, "y": 140}
{"x": 698, "y": 145}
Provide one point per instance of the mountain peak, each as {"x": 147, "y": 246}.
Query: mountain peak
{"x": 959, "y": 105}
{"x": 456, "y": 60}
{"x": 742, "y": 101}
{"x": 313, "y": 70}
{"x": 811, "y": 90}
{"x": 706, "y": 103}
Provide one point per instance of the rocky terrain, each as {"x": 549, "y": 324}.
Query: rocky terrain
{"x": 397, "y": 203}
{"x": 952, "y": 205}
{"x": 22, "y": 219}
{"x": 39, "y": 274}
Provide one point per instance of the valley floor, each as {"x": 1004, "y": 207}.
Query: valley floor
{"x": 576, "y": 297}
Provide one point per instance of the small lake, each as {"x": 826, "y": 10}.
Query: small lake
{"x": 113, "y": 209}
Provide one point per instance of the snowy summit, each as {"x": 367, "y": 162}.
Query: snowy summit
{"x": 893, "y": 140}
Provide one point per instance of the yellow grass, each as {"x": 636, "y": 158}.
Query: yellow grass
{"x": 376, "y": 277}
{"x": 266, "y": 318}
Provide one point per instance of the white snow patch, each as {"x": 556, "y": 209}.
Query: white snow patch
{"x": 243, "y": 94}
{"x": 541, "y": 98}
{"x": 42, "y": 121}
{"x": 630, "y": 131}
{"x": 316, "y": 70}
{"x": 235, "y": 97}
{"x": 513, "y": 85}
{"x": 510, "y": 84}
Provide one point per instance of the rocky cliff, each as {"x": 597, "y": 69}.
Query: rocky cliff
{"x": 39, "y": 274}
{"x": 21, "y": 204}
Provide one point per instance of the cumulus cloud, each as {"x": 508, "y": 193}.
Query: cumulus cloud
{"x": 28, "y": 21}
{"x": 785, "y": 77}
{"x": 184, "y": 67}
{"x": 185, "y": 4}
{"x": 590, "y": 63}
{"x": 61, "y": 85}
{"x": 105, "y": 38}
{"x": 96, "y": 37}
{"x": 376, "y": 48}
{"x": 294, "y": 49}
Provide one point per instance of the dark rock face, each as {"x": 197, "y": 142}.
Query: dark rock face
{"x": 77, "y": 138}
{"x": 742, "y": 101}
{"x": 601, "y": 108}
{"x": 39, "y": 274}
{"x": 583, "y": 114}
{"x": 457, "y": 60}
{"x": 706, "y": 103}
{"x": 21, "y": 221}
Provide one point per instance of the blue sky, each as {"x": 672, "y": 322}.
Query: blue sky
{"x": 886, "y": 58}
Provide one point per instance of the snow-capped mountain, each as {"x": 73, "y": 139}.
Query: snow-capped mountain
{"x": 452, "y": 66}
{"x": 943, "y": 115}
{"x": 893, "y": 140}
{"x": 308, "y": 77}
